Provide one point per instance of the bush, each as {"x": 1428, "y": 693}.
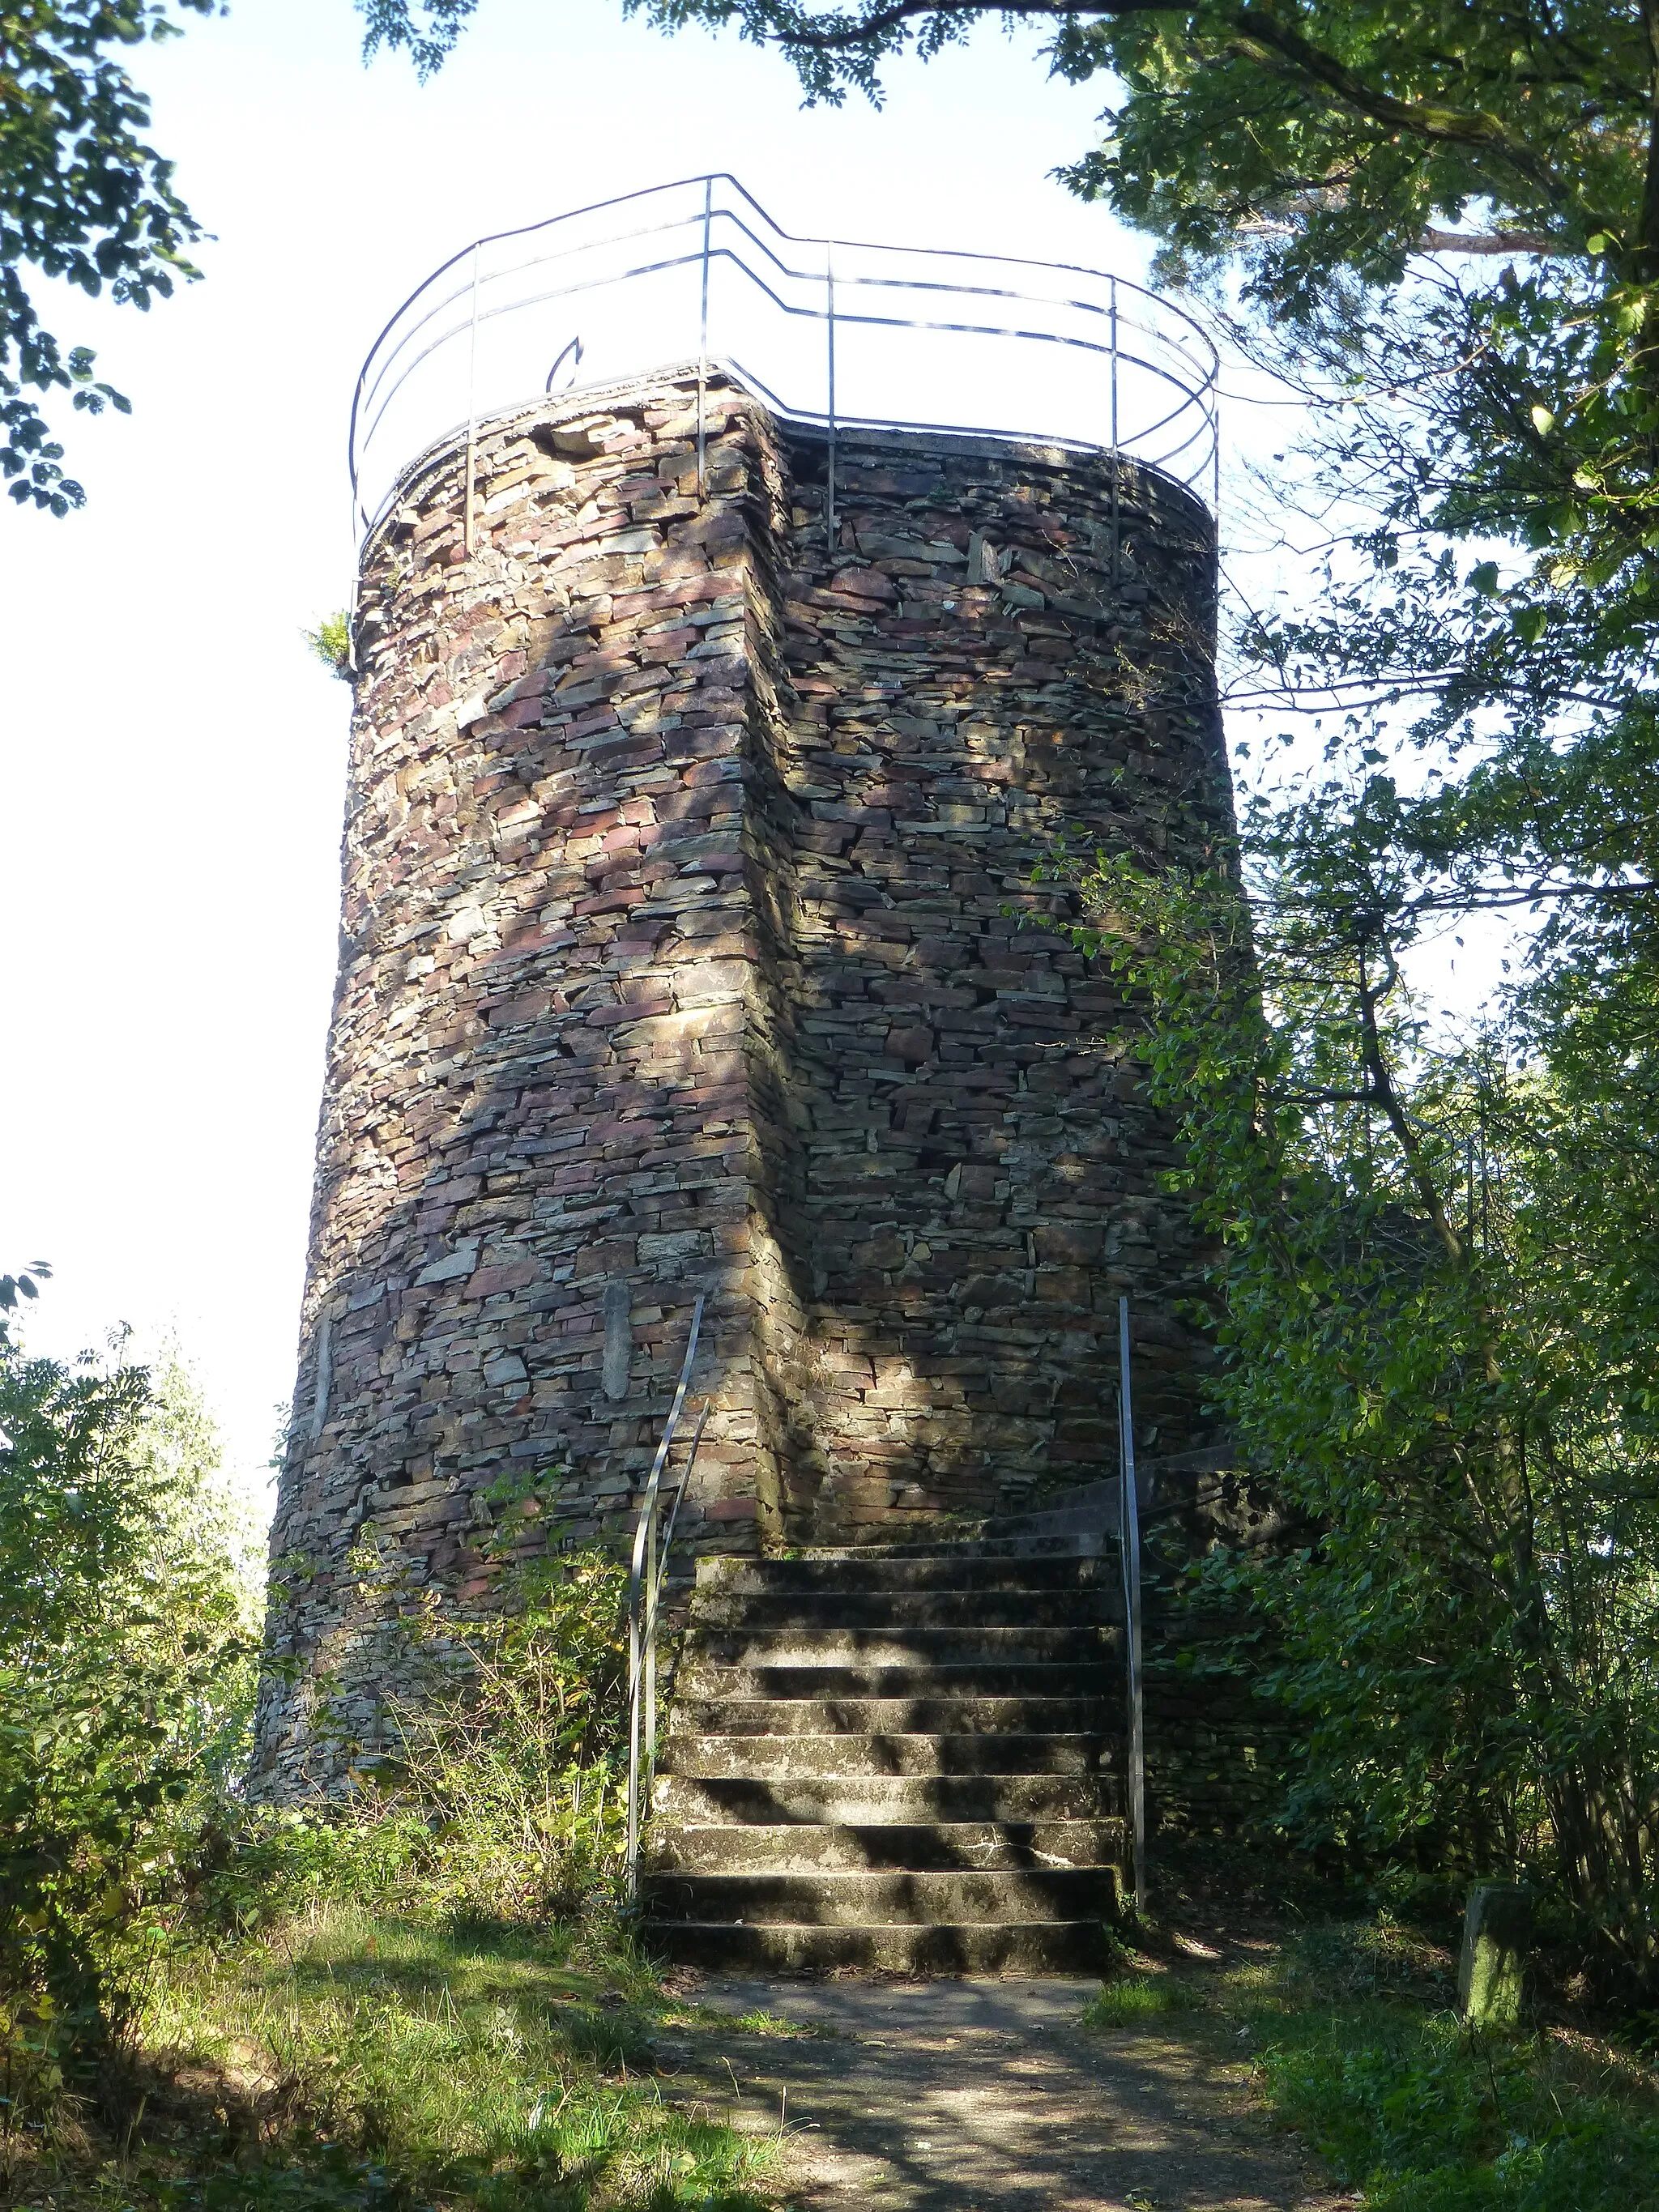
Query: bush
{"x": 1425, "y": 2119}
{"x": 514, "y": 1756}
{"x": 127, "y": 1659}
{"x": 1436, "y": 1312}
{"x": 499, "y": 1785}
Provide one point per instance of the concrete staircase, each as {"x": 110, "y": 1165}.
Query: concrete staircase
{"x": 901, "y": 1758}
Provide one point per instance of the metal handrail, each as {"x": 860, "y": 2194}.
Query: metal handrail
{"x": 1144, "y": 371}
{"x": 648, "y": 1570}
{"x": 1129, "y": 1551}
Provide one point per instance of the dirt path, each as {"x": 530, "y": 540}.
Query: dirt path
{"x": 987, "y": 2096}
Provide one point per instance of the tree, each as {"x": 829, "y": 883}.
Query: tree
{"x": 82, "y": 198}
{"x": 1438, "y": 1311}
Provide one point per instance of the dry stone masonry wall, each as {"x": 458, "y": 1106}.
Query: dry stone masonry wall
{"x": 689, "y": 943}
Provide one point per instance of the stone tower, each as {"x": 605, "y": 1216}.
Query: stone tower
{"x": 688, "y": 943}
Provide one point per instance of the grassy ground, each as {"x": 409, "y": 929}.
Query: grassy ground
{"x": 1356, "y": 2045}
{"x": 350, "y": 2062}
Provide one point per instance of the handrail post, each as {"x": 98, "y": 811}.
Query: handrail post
{"x": 653, "y": 1606}
{"x": 648, "y": 1745}
{"x": 1215, "y": 449}
{"x": 829, "y": 472}
{"x": 471, "y": 408}
{"x": 702, "y": 342}
{"x": 642, "y": 1594}
{"x": 1129, "y": 1546}
{"x": 1117, "y": 526}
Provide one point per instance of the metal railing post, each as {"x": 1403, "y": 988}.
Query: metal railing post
{"x": 1117, "y": 525}
{"x": 471, "y": 409}
{"x": 654, "y": 1605}
{"x": 644, "y": 1595}
{"x": 829, "y": 472}
{"x": 648, "y": 1728}
{"x": 1215, "y": 447}
{"x": 702, "y": 342}
{"x": 1129, "y": 1546}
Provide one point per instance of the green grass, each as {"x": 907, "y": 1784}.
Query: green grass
{"x": 773, "y": 2024}
{"x": 1356, "y": 2048}
{"x": 1134, "y": 1999}
{"x": 350, "y": 2062}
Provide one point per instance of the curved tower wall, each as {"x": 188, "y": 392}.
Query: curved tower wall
{"x": 685, "y": 864}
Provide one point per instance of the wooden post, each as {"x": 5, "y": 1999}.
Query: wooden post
{"x": 1492, "y": 1972}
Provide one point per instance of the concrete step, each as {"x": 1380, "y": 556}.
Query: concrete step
{"x": 922, "y": 1715}
{"x": 869, "y": 1801}
{"x": 701, "y": 1677}
{"x": 862, "y": 1571}
{"x": 866, "y": 1898}
{"x": 1048, "y": 1947}
{"x": 901, "y": 1610}
{"x": 917, "y": 1846}
{"x": 902, "y": 1757}
{"x": 829, "y": 1646}
{"x": 824, "y": 1758}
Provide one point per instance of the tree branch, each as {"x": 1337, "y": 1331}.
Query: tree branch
{"x": 1490, "y": 242}
{"x": 1472, "y": 127}
{"x": 1389, "y": 1099}
{"x": 1258, "y": 36}
{"x": 880, "y": 22}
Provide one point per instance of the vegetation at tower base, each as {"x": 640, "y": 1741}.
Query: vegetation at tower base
{"x": 423, "y": 1995}
{"x": 83, "y": 199}
{"x": 497, "y": 1762}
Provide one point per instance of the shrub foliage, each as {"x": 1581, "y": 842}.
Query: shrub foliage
{"x": 1437, "y": 1310}
{"x": 126, "y": 1663}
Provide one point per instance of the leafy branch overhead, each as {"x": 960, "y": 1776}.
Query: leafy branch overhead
{"x": 83, "y": 199}
{"x": 1316, "y": 136}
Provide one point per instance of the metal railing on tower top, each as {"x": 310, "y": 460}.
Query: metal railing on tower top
{"x": 839, "y": 333}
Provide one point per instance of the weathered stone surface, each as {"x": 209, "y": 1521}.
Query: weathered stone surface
{"x": 686, "y": 869}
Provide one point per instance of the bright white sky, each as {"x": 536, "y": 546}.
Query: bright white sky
{"x": 172, "y": 758}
